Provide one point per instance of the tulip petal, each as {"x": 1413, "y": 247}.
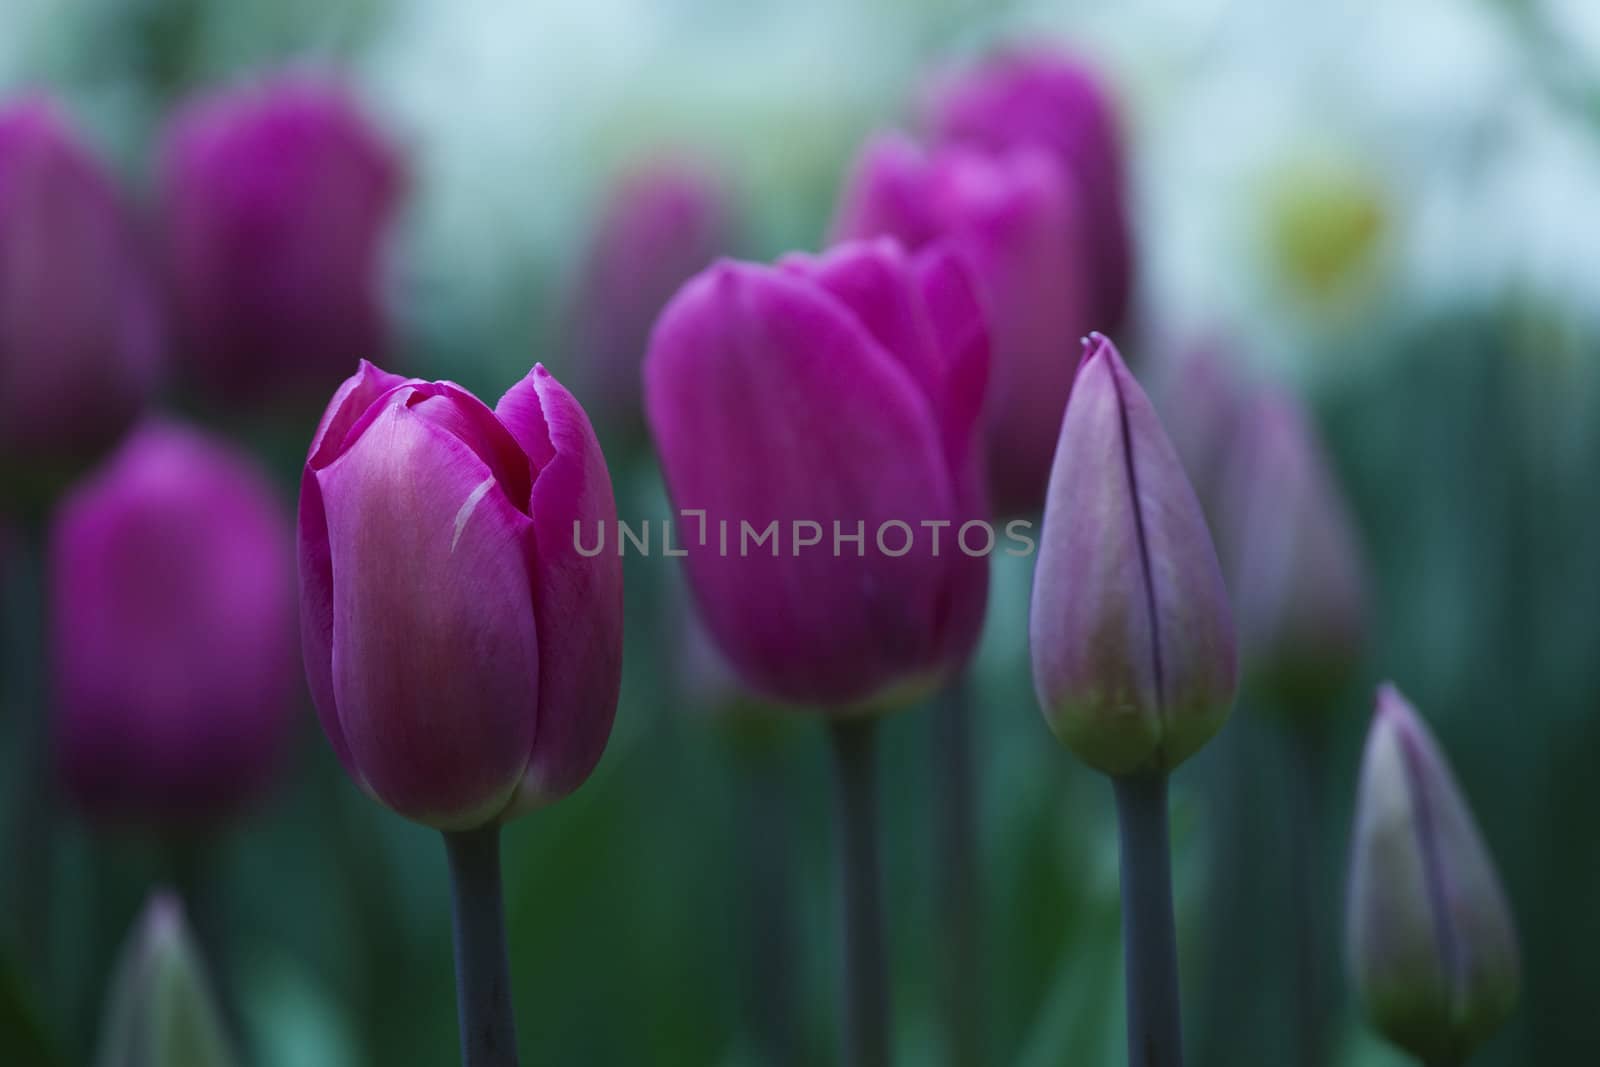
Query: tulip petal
{"x": 452, "y": 408}
{"x": 435, "y": 649}
{"x": 577, "y": 598}
{"x": 1037, "y": 97}
{"x": 353, "y": 399}
{"x": 1132, "y": 637}
{"x": 962, "y": 327}
{"x": 1432, "y": 943}
{"x": 886, "y": 193}
{"x": 1016, "y": 220}
{"x": 1195, "y": 645}
{"x": 771, "y": 403}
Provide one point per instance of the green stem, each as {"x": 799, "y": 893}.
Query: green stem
{"x": 1305, "y": 884}
{"x": 958, "y": 890}
{"x": 33, "y": 813}
{"x": 1149, "y": 935}
{"x": 865, "y": 1032}
{"x": 483, "y": 973}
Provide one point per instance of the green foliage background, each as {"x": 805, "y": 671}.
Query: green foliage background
{"x": 1464, "y": 421}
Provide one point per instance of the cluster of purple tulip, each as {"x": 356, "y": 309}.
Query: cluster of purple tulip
{"x": 465, "y": 656}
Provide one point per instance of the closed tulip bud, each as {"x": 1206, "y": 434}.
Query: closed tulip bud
{"x": 78, "y": 338}
{"x": 830, "y": 402}
{"x": 160, "y": 1008}
{"x": 1202, "y": 398}
{"x": 1432, "y": 949}
{"x": 464, "y": 657}
{"x": 1132, "y": 637}
{"x": 1014, "y": 220}
{"x": 1040, "y": 97}
{"x": 661, "y": 224}
{"x": 1293, "y": 560}
{"x": 172, "y": 611}
{"x": 279, "y": 199}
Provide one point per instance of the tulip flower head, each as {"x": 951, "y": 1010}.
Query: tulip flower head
{"x": 465, "y": 659}
{"x": 1294, "y": 563}
{"x": 830, "y": 402}
{"x": 161, "y": 1008}
{"x": 663, "y": 222}
{"x": 1202, "y": 397}
{"x": 1431, "y": 944}
{"x": 1042, "y": 98}
{"x": 279, "y": 199}
{"x": 1131, "y": 633}
{"x": 79, "y": 343}
{"x": 1014, "y": 219}
{"x": 172, "y": 613}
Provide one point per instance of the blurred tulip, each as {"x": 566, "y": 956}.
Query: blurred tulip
{"x": 1041, "y": 97}
{"x": 1293, "y": 561}
{"x": 1014, "y": 218}
{"x": 78, "y": 330}
{"x": 1432, "y": 948}
{"x": 161, "y": 1010}
{"x": 464, "y": 657}
{"x": 172, "y": 612}
{"x": 842, "y": 391}
{"x": 1202, "y": 398}
{"x": 279, "y": 201}
{"x": 1132, "y": 637}
{"x": 663, "y": 222}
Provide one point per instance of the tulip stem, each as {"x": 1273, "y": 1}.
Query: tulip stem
{"x": 483, "y": 973}
{"x": 865, "y": 1031}
{"x": 32, "y": 847}
{"x": 957, "y": 851}
{"x": 1149, "y": 936}
{"x": 1305, "y": 884}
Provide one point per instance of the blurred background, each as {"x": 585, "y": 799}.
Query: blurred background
{"x": 1390, "y": 212}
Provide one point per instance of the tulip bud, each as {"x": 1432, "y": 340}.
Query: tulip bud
{"x": 1294, "y": 564}
{"x": 172, "y": 613}
{"x": 1038, "y": 97}
{"x": 160, "y": 1009}
{"x": 830, "y": 403}
{"x": 1202, "y": 400}
{"x": 1432, "y": 949}
{"x": 662, "y": 223}
{"x": 279, "y": 199}
{"x": 465, "y": 658}
{"x": 1014, "y": 219}
{"x": 1132, "y": 638}
{"x": 78, "y": 339}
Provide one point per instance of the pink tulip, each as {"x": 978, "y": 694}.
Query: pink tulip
{"x": 79, "y": 345}
{"x": 172, "y": 631}
{"x": 279, "y": 201}
{"x": 1014, "y": 219}
{"x": 1044, "y": 98}
{"x": 841, "y": 391}
{"x": 465, "y": 658}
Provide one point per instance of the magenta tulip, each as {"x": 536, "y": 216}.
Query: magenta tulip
{"x": 172, "y": 631}
{"x": 1433, "y": 949}
{"x": 1014, "y": 219}
{"x": 279, "y": 200}
{"x": 1132, "y": 636}
{"x": 663, "y": 222}
{"x": 78, "y": 331}
{"x": 811, "y": 401}
{"x": 465, "y": 658}
{"x": 1044, "y": 98}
